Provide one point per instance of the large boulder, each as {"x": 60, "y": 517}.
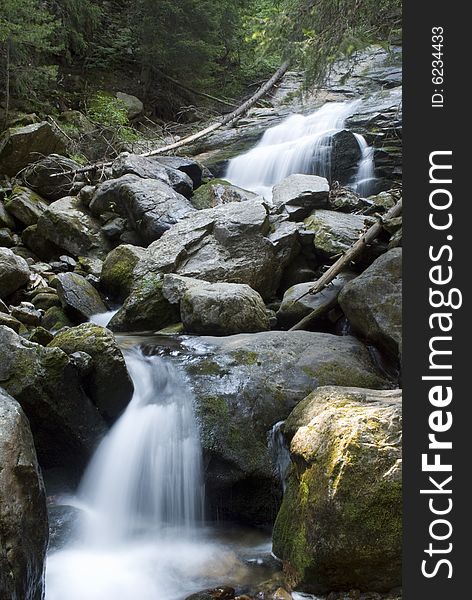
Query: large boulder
{"x": 23, "y": 514}
{"x": 234, "y": 243}
{"x": 46, "y": 382}
{"x": 336, "y": 232}
{"x": 134, "y": 105}
{"x": 150, "y": 206}
{"x": 345, "y": 156}
{"x": 48, "y": 177}
{"x": 14, "y": 272}
{"x": 297, "y": 302}
{"x": 25, "y": 205}
{"x": 216, "y": 308}
{"x": 116, "y": 277}
{"x": 192, "y": 168}
{"x": 21, "y": 146}
{"x": 66, "y": 224}
{"x": 151, "y": 168}
{"x": 219, "y": 191}
{"x": 340, "y": 524}
{"x": 108, "y": 384}
{"x": 78, "y": 297}
{"x": 244, "y": 384}
{"x": 373, "y": 302}
{"x": 299, "y": 195}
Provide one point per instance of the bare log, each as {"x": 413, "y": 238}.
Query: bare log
{"x": 355, "y": 250}
{"x": 262, "y": 91}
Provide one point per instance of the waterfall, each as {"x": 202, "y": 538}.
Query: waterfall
{"x": 103, "y": 319}
{"x": 300, "y": 144}
{"x": 147, "y": 471}
{"x": 365, "y": 173}
{"x": 279, "y": 452}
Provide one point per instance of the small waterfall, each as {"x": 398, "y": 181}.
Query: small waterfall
{"x": 365, "y": 174}
{"x": 147, "y": 471}
{"x": 300, "y": 144}
{"x": 279, "y": 452}
{"x": 103, "y": 319}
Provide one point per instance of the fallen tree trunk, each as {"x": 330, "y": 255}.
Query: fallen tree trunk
{"x": 229, "y": 118}
{"x": 355, "y": 250}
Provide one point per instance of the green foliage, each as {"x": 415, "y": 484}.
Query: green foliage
{"x": 110, "y": 112}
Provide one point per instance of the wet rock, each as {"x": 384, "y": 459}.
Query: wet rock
{"x": 299, "y": 195}
{"x": 71, "y": 228}
{"x": 216, "y": 308}
{"x": 345, "y": 157}
{"x": 134, "y": 106}
{"x": 23, "y": 515}
{"x": 66, "y": 425}
{"x": 296, "y": 305}
{"x": 108, "y": 385}
{"x": 373, "y": 302}
{"x": 41, "y": 336}
{"x": 25, "y": 205}
{"x": 190, "y": 167}
{"x": 152, "y": 168}
{"x": 79, "y": 298}
{"x": 345, "y": 200}
{"x": 150, "y": 206}
{"x": 219, "y": 191}
{"x": 336, "y": 232}
{"x": 47, "y": 177}
{"x": 246, "y": 383}
{"x": 21, "y": 146}
{"x": 340, "y": 524}
{"x": 27, "y": 313}
{"x": 116, "y": 277}
{"x": 14, "y": 272}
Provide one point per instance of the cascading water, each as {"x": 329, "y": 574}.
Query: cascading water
{"x": 140, "y": 533}
{"x": 300, "y": 144}
{"x": 365, "y": 176}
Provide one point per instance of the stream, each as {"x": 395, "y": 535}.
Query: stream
{"x": 139, "y": 529}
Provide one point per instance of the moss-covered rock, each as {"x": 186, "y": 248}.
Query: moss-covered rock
{"x": 55, "y": 318}
{"x": 108, "y": 385}
{"x": 116, "y": 278}
{"x": 78, "y": 297}
{"x": 219, "y": 191}
{"x": 25, "y": 205}
{"x": 340, "y": 524}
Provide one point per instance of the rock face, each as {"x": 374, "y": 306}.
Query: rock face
{"x": 246, "y": 383}
{"x": 294, "y": 307}
{"x": 117, "y": 273}
{"x": 150, "y": 168}
{"x": 299, "y": 195}
{"x": 216, "y": 308}
{"x": 21, "y": 146}
{"x": 65, "y": 424}
{"x": 219, "y": 191}
{"x": 23, "y": 515}
{"x": 71, "y": 228}
{"x": 38, "y": 177}
{"x": 78, "y": 297}
{"x": 150, "y": 206}
{"x": 25, "y": 206}
{"x": 340, "y": 524}
{"x": 14, "y": 272}
{"x": 108, "y": 385}
{"x": 373, "y": 302}
{"x": 335, "y": 232}
{"x": 231, "y": 243}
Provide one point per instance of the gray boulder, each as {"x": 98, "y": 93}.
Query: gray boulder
{"x": 6, "y": 220}
{"x": 340, "y": 524}
{"x": 299, "y": 195}
{"x": 66, "y": 425}
{"x": 134, "y": 106}
{"x": 373, "y": 302}
{"x": 25, "y": 205}
{"x": 216, "y": 308}
{"x": 66, "y": 224}
{"x": 336, "y": 232}
{"x": 47, "y": 177}
{"x": 21, "y": 146}
{"x": 79, "y": 298}
{"x": 151, "y": 168}
{"x": 150, "y": 206}
{"x": 14, "y": 272}
{"x": 296, "y": 305}
{"x": 244, "y": 384}
{"x": 23, "y": 514}
{"x": 219, "y": 191}
{"x": 116, "y": 277}
{"x": 108, "y": 384}
{"x": 39, "y": 245}
{"x": 192, "y": 168}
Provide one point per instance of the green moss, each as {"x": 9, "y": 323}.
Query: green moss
{"x": 337, "y": 374}
{"x": 55, "y": 319}
{"x": 246, "y": 357}
{"x": 207, "y": 367}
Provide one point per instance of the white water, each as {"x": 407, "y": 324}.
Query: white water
{"x": 365, "y": 174}
{"x": 300, "y": 144}
{"x": 103, "y": 318}
{"x": 140, "y": 533}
